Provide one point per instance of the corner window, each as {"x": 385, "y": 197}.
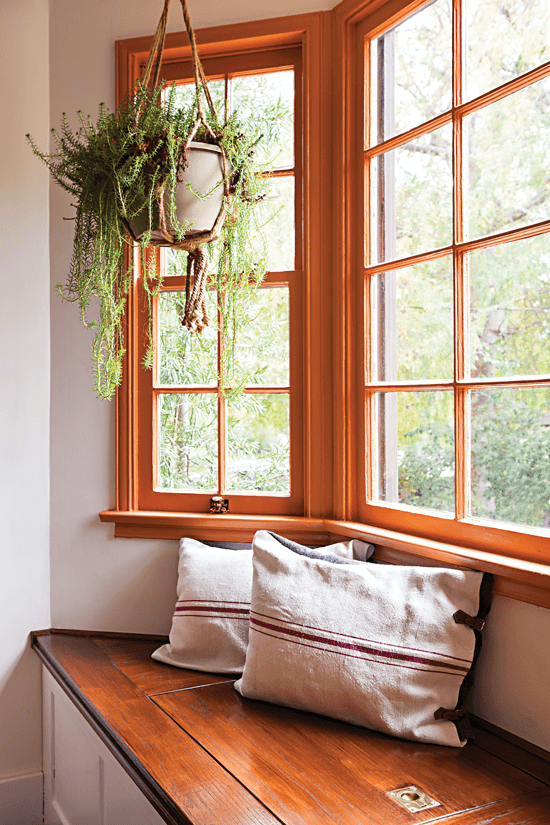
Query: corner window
{"x": 457, "y": 270}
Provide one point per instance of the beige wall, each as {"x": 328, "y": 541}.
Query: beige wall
{"x": 24, "y": 378}
{"x": 129, "y": 585}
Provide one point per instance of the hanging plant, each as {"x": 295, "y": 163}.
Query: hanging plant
{"x": 131, "y": 174}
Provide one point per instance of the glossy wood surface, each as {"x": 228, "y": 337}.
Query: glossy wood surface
{"x": 134, "y": 660}
{"x": 180, "y": 779}
{"x": 349, "y": 769}
{"x": 203, "y": 754}
{"x": 533, "y": 809}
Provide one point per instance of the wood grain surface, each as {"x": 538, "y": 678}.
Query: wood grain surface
{"x": 134, "y": 660}
{"x": 203, "y": 755}
{"x": 176, "y": 774}
{"x": 314, "y": 770}
{"x": 533, "y": 809}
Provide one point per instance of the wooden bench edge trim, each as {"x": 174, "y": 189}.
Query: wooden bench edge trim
{"x": 531, "y": 758}
{"x": 131, "y": 764}
{"x": 105, "y": 634}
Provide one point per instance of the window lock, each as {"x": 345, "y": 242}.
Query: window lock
{"x": 219, "y": 504}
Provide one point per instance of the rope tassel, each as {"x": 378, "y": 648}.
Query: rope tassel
{"x": 195, "y": 317}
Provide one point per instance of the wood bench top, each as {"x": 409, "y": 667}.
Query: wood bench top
{"x": 203, "y": 755}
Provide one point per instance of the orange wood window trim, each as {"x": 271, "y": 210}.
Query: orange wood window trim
{"x": 334, "y": 311}
{"x": 523, "y": 580}
{"x": 517, "y": 542}
{"x": 312, "y": 34}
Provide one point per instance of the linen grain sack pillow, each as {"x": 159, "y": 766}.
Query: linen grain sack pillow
{"x": 371, "y": 644}
{"x": 210, "y": 624}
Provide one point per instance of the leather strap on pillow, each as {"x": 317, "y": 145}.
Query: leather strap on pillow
{"x": 477, "y": 623}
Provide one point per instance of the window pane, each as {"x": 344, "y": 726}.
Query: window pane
{"x": 510, "y": 308}
{"x": 262, "y": 346}
{"x": 511, "y": 455}
{"x": 414, "y": 316}
{"x": 415, "y": 460}
{"x": 412, "y": 198}
{"x": 184, "y": 95}
{"x": 412, "y": 64}
{"x": 257, "y": 97}
{"x": 509, "y": 145}
{"x": 505, "y": 39}
{"x": 188, "y": 441}
{"x": 184, "y": 357}
{"x": 275, "y": 218}
{"x": 258, "y": 444}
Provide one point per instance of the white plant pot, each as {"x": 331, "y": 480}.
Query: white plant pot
{"x": 204, "y": 175}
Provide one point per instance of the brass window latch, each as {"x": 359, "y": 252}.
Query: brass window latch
{"x": 219, "y": 504}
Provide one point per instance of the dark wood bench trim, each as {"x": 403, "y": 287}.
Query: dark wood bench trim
{"x": 55, "y": 649}
{"x": 108, "y": 698}
{"x": 152, "y": 790}
{"x": 512, "y": 749}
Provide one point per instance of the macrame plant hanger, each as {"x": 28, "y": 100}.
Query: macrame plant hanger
{"x": 195, "y": 316}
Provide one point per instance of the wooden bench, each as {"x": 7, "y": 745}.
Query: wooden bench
{"x": 202, "y": 754}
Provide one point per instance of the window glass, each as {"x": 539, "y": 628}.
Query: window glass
{"x": 185, "y": 358}
{"x": 262, "y": 348}
{"x": 508, "y": 161}
{"x": 504, "y": 40}
{"x": 258, "y": 443}
{"x": 510, "y": 308}
{"x": 253, "y": 96}
{"x": 275, "y": 221}
{"x": 188, "y": 441}
{"x": 185, "y": 93}
{"x": 411, "y": 67}
{"x": 414, "y": 315}
{"x": 412, "y": 202}
{"x": 511, "y": 455}
{"x": 415, "y": 457}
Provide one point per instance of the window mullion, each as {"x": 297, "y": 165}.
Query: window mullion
{"x": 460, "y": 266}
{"x": 222, "y": 417}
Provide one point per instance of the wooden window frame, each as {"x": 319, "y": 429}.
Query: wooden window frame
{"x": 335, "y": 432}
{"x": 148, "y": 497}
{"x": 140, "y": 512}
{"x": 475, "y": 537}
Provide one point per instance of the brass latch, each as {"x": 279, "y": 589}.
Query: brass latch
{"x": 413, "y": 799}
{"x": 219, "y": 504}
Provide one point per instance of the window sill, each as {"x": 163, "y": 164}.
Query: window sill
{"x": 519, "y": 579}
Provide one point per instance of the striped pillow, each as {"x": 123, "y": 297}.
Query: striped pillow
{"x": 375, "y": 645}
{"x": 210, "y": 624}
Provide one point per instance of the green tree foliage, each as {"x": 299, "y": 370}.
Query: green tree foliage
{"x": 257, "y": 424}
{"x": 508, "y": 163}
{"x": 258, "y": 447}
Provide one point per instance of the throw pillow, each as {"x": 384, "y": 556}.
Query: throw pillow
{"x": 210, "y": 623}
{"x": 372, "y": 644}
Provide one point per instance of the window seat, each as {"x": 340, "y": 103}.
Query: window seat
{"x": 202, "y": 754}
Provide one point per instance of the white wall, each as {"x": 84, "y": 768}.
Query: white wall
{"x": 98, "y": 582}
{"x": 24, "y": 378}
{"x": 129, "y": 585}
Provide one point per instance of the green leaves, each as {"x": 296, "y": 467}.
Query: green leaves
{"x": 119, "y": 168}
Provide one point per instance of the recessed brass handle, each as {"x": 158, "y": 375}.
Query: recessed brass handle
{"x": 413, "y": 799}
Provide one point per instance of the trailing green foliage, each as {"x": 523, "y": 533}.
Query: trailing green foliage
{"x": 121, "y": 168}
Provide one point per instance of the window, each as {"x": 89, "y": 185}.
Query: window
{"x": 180, "y": 442}
{"x": 204, "y": 444}
{"x": 456, "y": 271}
{"x": 419, "y": 303}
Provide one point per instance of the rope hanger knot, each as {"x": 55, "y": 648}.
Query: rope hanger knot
{"x": 195, "y": 316}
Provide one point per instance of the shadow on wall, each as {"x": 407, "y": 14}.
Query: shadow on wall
{"x": 126, "y": 586}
